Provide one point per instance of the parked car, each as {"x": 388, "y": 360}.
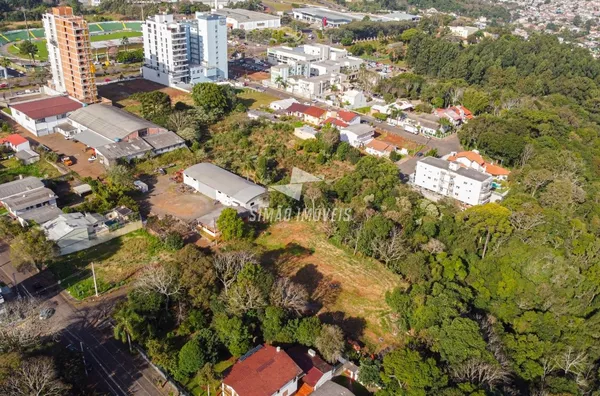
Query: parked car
{"x": 46, "y": 313}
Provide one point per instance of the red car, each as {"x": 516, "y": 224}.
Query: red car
{"x": 107, "y": 80}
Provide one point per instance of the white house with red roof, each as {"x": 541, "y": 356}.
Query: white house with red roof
{"x": 473, "y": 160}
{"x": 349, "y": 117}
{"x": 457, "y": 115}
{"x": 41, "y": 116}
{"x": 264, "y": 371}
{"x": 15, "y": 142}
{"x": 316, "y": 371}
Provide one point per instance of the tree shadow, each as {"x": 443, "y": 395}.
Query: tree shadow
{"x": 291, "y": 251}
{"x": 322, "y": 289}
{"x": 353, "y": 327}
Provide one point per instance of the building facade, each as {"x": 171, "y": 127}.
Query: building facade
{"x": 452, "y": 180}
{"x": 185, "y": 52}
{"x": 70, "y": 54}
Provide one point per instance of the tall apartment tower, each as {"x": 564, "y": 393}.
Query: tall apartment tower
{"x": 185, "y": 52}
{"x": 70, "y": 54}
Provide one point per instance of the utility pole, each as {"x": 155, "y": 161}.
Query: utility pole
{"x": 94, "y": 276}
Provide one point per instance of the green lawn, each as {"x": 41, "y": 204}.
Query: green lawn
{"x": 42, "y": 54}
{"x": 115, "y": 262}
{"x": 254, "y": 99}
{"x": 12, "y": 168}
{"x": 115, "y": 35}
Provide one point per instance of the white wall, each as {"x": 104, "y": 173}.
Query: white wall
{"x": 38, "y": 128}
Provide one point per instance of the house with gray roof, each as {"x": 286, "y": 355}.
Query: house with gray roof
{"x": 70, "y": 229}
{"x": 20, "y": 186}
{"x": 28, "y": 200}
{"x": 225, "y": 187}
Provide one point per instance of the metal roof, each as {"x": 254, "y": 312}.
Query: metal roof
{"x": 163, "y": 140}
{"x": 82, "y": 188}
{"x": 20, "y": 186}
{"x": 225, "y": 181}
{"x": 49, "y": 107}
{"x": 67, "y": 222}
{"x": 124, "y": 149}
{"x": 91, "y": 139}
{"x": 330, "y": 388}
{"x": 42, "y": 214}
{"x": 29, "y": 198}
{"x": 109, "y": 121}
{"x": 241, "y": 15}
{"x": 325, "y": 13}
{"x": 360, "y": 129}
{"x": 26, "y": 154}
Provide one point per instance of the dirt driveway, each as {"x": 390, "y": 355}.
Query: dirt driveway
{"x": 165, "y": 199}
{"x": 76, "y": 151}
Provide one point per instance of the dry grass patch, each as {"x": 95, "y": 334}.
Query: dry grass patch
{"x": 301, "y": 250}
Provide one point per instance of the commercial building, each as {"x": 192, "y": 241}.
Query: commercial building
{"x": 239, "y": 18}
{"x": 185, "y": 52}
{"x": 323, "y": 16}
{"x": 41, "y": 116}
{"x": 70, "y": 54}
{"x": 224, "y": 186}
{"x": 453, "y": 180}
{"x": 398, "y": 17}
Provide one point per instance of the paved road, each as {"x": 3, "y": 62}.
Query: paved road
{"x": 114, "y": 369}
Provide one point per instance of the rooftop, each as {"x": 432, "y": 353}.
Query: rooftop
{"x": 346, "y": 116}
{"x": 443, "y": 164}
{"x": 225, "y": 181}
{"x": 20, "y": 186}
{"x": 263, "y": 371}
{"x": 380, "y": 146}
{"x": 25, "y": 155}
{"x": 330, "y": 388}
{"x": 109, "y": 121}
{"x": 241, "y": 15}
{"x": 42, "y": 214}
{"x": 65, "y": 223}
{"x": 360, "y": 129}
{"x": 124, "y": 149}
{"x": 324, "y": 13}
{"x": 163, "y": 140}
{"x": 29, "y": 198}
{"x": 314, "y": 111}
{"x": 47, "y": 107}
{"x": 336, "y": 122}
{"x": 297, "y": 108}
{"x": 313, "y": 366}
{"x": 13, "y": 139}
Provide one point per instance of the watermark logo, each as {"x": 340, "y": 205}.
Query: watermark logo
{"x": 308, "y": 213}
{"x": 298, "y": 179}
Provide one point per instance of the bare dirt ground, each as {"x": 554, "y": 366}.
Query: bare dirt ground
{"x": 398, "y": 141}
{"x": 165, "y": 199}
{"x": 76, "y": 151}
{"x": 301, "y": 250}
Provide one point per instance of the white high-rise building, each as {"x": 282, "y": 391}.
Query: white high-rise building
{"x": 185, "y": 52}
{"x": 452, "y": 180}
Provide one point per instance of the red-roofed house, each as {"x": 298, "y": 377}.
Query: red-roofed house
{"x": 379, "y": 148}
{"x": 15, "y": 142}
{"x": 316, "y": 370}
{"x": 348, "y": 117}
{"x": 314, "y": 115}
{"x": 41, "y": 116}
{"x": 335, "y": 122}
{"x": 264, "y": 371}
{"x": 296, "y": 109}
{"x": 473, "y": 160}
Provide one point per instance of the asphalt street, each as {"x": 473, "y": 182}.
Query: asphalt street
{"x": 86, "y": 326}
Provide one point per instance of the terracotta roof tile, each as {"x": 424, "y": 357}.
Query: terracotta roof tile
{"x": 378, "y": 145}
{"x": 297, "y": 108}
{"x": 13, "y": 139}
{"x": 47, "y": 107}
{"x": 336, "y": 122}
{"x": 262, "y": 373}
{"x": 496, "y": 170}
{"x": 315, "y": 111}
{"x": 346, "y": 116}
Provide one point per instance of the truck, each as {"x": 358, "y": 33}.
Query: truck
{"x": 65, "y": 159}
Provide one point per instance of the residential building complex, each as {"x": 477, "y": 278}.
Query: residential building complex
{"x": 248, "y": 20}
{"x": 185, "y": 52}
{"x": 453, "y": 180}
{"x": 70, "y": 54}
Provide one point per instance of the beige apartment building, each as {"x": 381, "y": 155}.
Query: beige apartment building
{"x": 70, "y": 54}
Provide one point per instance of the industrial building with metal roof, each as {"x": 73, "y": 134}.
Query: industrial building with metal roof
{"x": 248, "y": 20}
{"x": 224, "y": 186}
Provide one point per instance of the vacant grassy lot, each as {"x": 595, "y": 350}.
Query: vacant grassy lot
{"x": 11, "y": 169}
{"x": 254, "y": 99}
{"x": 301, "y": 250}
{"x": 115, "y": 262}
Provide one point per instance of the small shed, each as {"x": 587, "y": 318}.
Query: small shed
{"x": 82, "y": 189}
{"x": 27, "y": 156}
{"x": 140, "y": 185}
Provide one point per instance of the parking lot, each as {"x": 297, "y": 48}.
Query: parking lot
{"x": 165, "y": 198}
{"x": 57, "y": 142}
